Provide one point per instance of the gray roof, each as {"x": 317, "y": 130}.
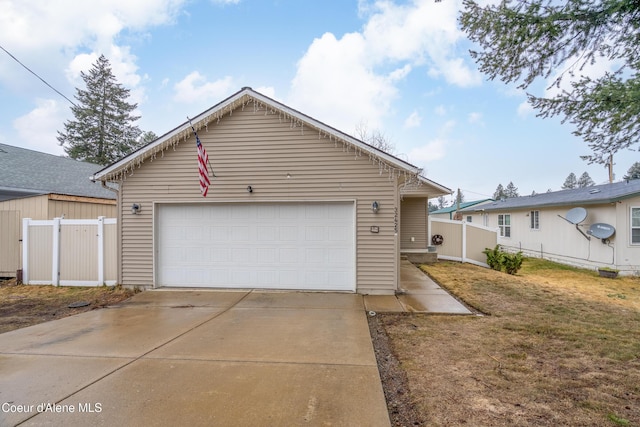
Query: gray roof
{"x": 597, "y": 194}
{"x": 26, "y": 173}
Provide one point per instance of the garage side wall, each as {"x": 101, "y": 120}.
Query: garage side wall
{"x": 281, "y": 161}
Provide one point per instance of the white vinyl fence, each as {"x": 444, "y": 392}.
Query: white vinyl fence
{"x": 69, "y": 252}
{"x": 463, "y": 241}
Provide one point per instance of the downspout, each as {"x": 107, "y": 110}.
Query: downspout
{"x": 118, "y": 225}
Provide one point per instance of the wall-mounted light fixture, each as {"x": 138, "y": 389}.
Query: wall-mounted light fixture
{"x": 249, "y": 189}
{"x": 135, "y": 208}
{"x": 375, "y": 206}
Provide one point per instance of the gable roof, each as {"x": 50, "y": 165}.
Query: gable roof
{"x": 26, "y": 173}
{"x": 247, "y": 97}
{"x": 463, "y": 205}
{"x": 597, "y": 194}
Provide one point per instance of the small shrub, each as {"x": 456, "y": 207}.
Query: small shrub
{"x": 512, "y": 262}
{"x": 498, "y": 259}
{"x": 494, "y": 257}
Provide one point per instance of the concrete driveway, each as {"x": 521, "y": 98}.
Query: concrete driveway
{"x": 197, "y": 358}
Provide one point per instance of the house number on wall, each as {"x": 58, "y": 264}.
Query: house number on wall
{"x": 395, "y": 220}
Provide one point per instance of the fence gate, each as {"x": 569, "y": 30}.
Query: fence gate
{"x": 69, "y": 252}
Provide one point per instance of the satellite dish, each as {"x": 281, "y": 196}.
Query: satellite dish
{"x": 601, "y": 230}
{"x": 576, "y": 215}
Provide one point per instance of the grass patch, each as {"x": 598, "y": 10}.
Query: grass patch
{"x": 559, "y": 346}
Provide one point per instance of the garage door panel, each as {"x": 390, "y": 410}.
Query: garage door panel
{"x": 278, "y": 246}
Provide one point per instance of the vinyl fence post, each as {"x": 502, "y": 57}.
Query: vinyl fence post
{"x": 25, "y": 250}
{"x": 464, "y": 241}
{"x": 55, "y": 253}
{"x": 101, "y": 280}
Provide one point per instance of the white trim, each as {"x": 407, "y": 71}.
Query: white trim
{"x": 55, "y": 252}
{"x": 100, "y": 259}
{"x": 631, "y": 243}
{"x": 25, "y": 249}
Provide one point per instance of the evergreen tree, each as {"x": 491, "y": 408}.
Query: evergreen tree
{"x": 585, "y": 181}
{"x": 432, "y": 207}
{"x": 571, "y": 182}
{"x": 442, "y": 202}
{"x": 633, "y": 172}
{"x": 521, "y": 41}
{"x": 147, "y": 137}
{"x": 103, "y": 129}
{"x": 499, "y": 193}
{"x": 511, "y": 190}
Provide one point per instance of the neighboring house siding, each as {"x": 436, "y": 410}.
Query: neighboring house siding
{"x": 558, "y": 240}
{"x": 628, "y": 254}
{"x": 414, "y": 223}
{"x": 250, "y": 147}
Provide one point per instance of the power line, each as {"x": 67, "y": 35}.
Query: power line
{"x": 41, "y": 79}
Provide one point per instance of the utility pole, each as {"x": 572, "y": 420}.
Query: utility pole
{"x": 610, "y": 166}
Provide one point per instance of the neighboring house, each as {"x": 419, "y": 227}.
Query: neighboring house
{"x": 450, "y": 212}
{"x": 43, "y": 186}
{"x": 539, "y": 226}
{"x": 294, "y": 204}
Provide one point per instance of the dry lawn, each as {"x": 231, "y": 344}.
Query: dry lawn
{"x": 555, "y": 346}
{"x": 24, "y": 305}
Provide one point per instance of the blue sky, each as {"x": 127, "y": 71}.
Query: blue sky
{"x": 399, "y": 67}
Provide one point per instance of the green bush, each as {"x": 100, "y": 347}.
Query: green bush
{"x": 494, "y": 257}
{"x": 512, "y": 262}
{"x": 498, "y": 259}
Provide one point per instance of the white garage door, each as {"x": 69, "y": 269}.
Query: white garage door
{"x": 256, "y": 245}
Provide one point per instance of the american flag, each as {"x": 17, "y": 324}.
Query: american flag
{"x": 203, "y": 160}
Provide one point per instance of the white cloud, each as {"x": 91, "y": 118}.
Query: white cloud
{"x": 413, "y": 120}
{"x": 40, "y": 126}
{"x": 434, "y": 149}
{"x": 195, "y": 89}
{"x": 335, "y": 82}
{"x": 440, "y": 110}
{"x": 70, "y": 35}
{"x": 525, "y": 109}
{"x": 475, "y": 118}
{"x": 353, "y": 78}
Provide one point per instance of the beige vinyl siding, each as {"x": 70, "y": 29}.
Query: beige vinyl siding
{"x": 414, "y": 223}
{"x": 253, "y": 148}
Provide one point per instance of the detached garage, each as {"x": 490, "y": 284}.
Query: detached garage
{"x": 292, "y": 204}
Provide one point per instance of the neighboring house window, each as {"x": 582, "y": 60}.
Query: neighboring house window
{"x": 469, "y": 218}
{"x": 535, "y": 220}
{"x": 635, "y": 226}
{"x": 504, "y": 223}
{"x": 485, "y": 220}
